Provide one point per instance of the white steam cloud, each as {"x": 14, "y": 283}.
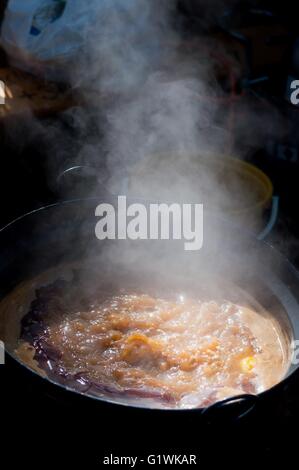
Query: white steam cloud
{"x": 150, "y": 90}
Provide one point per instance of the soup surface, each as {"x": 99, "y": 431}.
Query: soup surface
{"x": 168, "y": 351}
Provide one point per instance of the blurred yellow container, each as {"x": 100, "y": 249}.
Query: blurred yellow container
{"x": 224, "y": 184}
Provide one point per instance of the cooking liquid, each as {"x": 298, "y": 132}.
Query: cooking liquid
{"x": 179, "y": 352}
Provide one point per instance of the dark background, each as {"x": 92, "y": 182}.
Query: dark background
{"x": 269, "y": 34}
{"x": 41, "y": 428}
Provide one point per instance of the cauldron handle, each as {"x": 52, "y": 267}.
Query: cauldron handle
{"x": 248, "y": 399}
{"x": 272, "y": 220}
{"x": 80, "y": 181}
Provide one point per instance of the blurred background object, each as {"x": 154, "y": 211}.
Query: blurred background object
{"x": 25, "y": 93}
{"x": 251, "y": 48}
